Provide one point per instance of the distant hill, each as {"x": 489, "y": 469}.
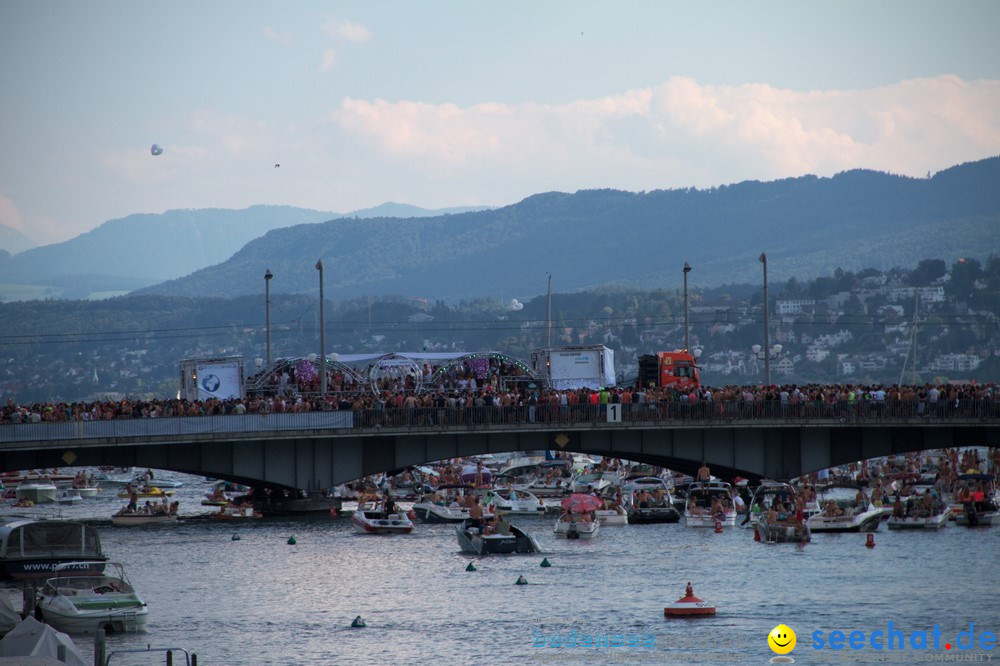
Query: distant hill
{"x": 13, "y": 241}
{"x": 809, "y": 226}
{"x": 145, "y": 249}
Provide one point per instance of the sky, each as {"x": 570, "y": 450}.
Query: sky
{"x": 456, "y": 103}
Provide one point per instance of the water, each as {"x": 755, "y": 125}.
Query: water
{"x": 259, "y": 600}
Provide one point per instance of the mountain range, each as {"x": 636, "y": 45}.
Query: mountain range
{"x": 144, "y": 249}
{"x": 807, "y": 225}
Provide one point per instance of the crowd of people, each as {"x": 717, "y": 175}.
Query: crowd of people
{"x": 519, "y": 402}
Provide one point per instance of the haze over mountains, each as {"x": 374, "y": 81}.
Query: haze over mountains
{"x": 144, "y": 249}
{"x": 807, "y": 225}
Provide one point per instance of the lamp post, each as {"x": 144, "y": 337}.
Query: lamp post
{"x": 267, "y": 311}
{"x": 766, "y": 354}
{"x": 322, "y": 334}
{"x": 687, "y": 337}
{"x": 549, "y": 299}
{"x": 767, "y": 328}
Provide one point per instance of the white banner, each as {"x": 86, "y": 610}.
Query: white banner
{"x": 218, "y": 380}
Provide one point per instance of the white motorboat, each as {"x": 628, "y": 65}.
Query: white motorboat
{"x": 31, "y": 548}
{"x": 37, "y": 491}
{"x": 576, "y": 526}
{"x": 844, "y": 507}
{"x": 647, "y": 500}
{"x": 612, "y": 517}
{"x": 225, "y": 492}
{"x": 82, "y": 603}
{"x": 508, "y": 501}
{"x": 68, "y": 496}
{"x": 446, "y": 505}
{"x": 770, "y": 494}
{"x": 505, "y": 538}
{"x": 774, "y": 527}
{"x": 710, "y": 503}
{"x": 370, "y": 520}
{"x": 975, "y": 495}
{"x": 541, "y": 478}
{"x": 131, "y": 518}
{"x": 595, "y": 481}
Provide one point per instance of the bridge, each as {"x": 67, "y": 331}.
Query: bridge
{"x": 314, "y": 451}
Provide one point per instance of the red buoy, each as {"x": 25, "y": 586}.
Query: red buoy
{"x": 333, "y": 513}
{"x": 756, "y": 533}
{"x": 689, "y": 606}
{"x": 412, "y": 515}
{"x": 871, "y": 540}
{"x": 718, "y": 526}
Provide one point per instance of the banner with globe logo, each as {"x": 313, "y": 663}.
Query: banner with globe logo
{"x": 218, "y": 380}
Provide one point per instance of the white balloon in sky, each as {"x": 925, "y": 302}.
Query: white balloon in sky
{"x": 156, "y": 150}
{"x": 516, "y": 304}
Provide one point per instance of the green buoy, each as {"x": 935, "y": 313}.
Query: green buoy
{"x": 471, "y": 567}
{"x": 358, "y": 623}
{"x": 236, "y": 537}
{"x": 291, "y": 541}
{"x": 545, "y": 562}
{"x": 521, "y": 580}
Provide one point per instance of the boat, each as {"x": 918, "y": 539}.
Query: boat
{"x": 34, "y": 642}
{"x": 541, "y": 478}
{"x": 444, "y": 505}
{"x": 774, "y": 527}
{"x": 80, "y": 603}
{"x": 237, "y": 512}
{"x": 67, "y": 496}
{"x": 964, "y": 491}
{"x": 130, "y": 518}
{"x": 920, "y": 511}
{"x": 710, "y": 503}
{"x": 152, "y": 491}
{"x": 647, "y": 501}
{"x": 596, "y": 481}
{"x": 576, "y": 526}
{"x": 368, "y": 519}
{"x": 508, "y": 501}
{"x": 31, "y": 548}
{"x": 612, "y": 517}
{"x": 225, "y": 492}
{"x": 37, "y": 491}
{"x": 844, "y": 508}
{"x": 505, "y": 538}
{"x": 776, "y": 494}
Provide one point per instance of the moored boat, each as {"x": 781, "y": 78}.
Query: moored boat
{"x": 844, "y": 507}
{"x": 508, "y": 501}
{"x": 81, "y": 603}
{"x": 237, "y": 512}
{"x": 647, "y": 501}
{"x": 37, "y": 491}
{"x": 919, "y": 512}
{"x": 576, "y": 526}
{"x": 774, "y": 527}
{"x": 710, "y": 503}
{"x": 31, "y": 548}
{"x": 129, "y": 519}
{"x": 505, "y": 538}
{"x": 370, "y": 520}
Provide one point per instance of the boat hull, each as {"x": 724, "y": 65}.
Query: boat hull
{"x": 122, "y": 620}
{"x": 391, "y": 524}
{"x": 653, "y": 516}
{"x": 439, "y": 514}
{"x": 140, "y": 519}
{"x": 576, "y": 530}
{"x": 869, "y": 523}
{"x": 473, "y": 543}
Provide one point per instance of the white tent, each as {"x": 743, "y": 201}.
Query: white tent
{"x": 32, "y": 638}
{"x": 9, "y": 618}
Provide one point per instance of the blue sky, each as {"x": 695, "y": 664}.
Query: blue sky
{"x": 465, "y": 103}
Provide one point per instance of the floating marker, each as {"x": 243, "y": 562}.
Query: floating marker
{"x": 756, "y": 533}
{"x": 718, "y": 526}
{"x": 545, "y": 562}
{"x": 521, "y": 580}
{"x": 236, "y": 537}
{"x": 359, "y": 623}
{"x": 471, "y": 567}
{"x": 689, "y": 606}
{"x": 291, "y": 541}
{"x": 871, "y": 540}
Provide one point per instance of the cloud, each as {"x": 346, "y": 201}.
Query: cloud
{"x": 10, "y": 216}
{"x": 340, "y": 31}
{"x": 343, "y": 30}
{"x": 688, "y": 133}
{"x": 272, "y": 34}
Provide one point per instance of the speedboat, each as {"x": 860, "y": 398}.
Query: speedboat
{"x": 152, "y": 491}
{"x": 919, "y": 510}
{"x": 963, "y": 498}
{"x": 710, "y": 503}
{"x": 658, "y": 507}
{"x": 37, "y": 491}
{"x": 370, "y": 520}
{"x": 444, "y": 506}
{"x": 225, "y": 492}
{"x": 82, "y": 603}
{"x": 509, "y": 501}
{"x": 506, "y": 538}
{"x": 774, "y": 527}
{"x": 67, "y": 496}
{"x": 596, "y": 481}
{"x": 841, "y": 510}
{"x": 576, "y": 526}
{"x": 765, "y": 497}
{"x": 31, "y": 548}
{"x": 237, "y": 512}
{"x": 131, "y": 518}
{"x": 612, "y": 517}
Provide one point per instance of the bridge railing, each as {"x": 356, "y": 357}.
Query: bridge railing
{"x": 657, "y": 413}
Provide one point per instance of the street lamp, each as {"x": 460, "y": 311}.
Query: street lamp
{"x": 687, "y": 338}
{"x": 767, "y": 355}
{"x": 322, "y": 334}
{"x": 267, "y": 311}
{"x": 549, "y": 300}
{"x": 767, "y": 328}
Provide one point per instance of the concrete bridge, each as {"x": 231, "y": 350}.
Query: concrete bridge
{"x": 314, "y": 451}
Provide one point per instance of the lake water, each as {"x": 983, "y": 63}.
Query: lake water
{"x": 258, "y": 600}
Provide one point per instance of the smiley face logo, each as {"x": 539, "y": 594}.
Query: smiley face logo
{"x": 781, "y": 639}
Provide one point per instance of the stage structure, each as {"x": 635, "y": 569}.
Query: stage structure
{"x": 220, "y": 377}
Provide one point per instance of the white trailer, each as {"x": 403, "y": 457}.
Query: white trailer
{"x": 586, "y": 366}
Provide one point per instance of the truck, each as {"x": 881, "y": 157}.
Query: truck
{"x": 676, "y": 369}
{"x": 574, "y": 367}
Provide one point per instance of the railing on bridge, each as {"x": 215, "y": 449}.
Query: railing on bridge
{"x": 530, "y": 416}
